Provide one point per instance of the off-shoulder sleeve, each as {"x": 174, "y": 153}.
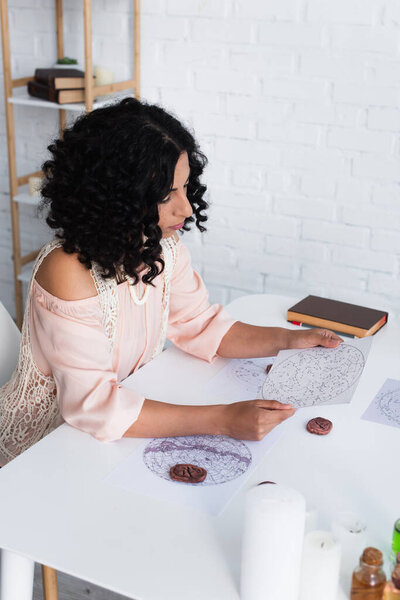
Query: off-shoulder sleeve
{"x": 195, "y": 325}
{"x": 70, "y": 338}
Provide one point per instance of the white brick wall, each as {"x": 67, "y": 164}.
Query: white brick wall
{"x": 296, "y": 104}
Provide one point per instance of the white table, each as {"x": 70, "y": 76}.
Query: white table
{"x": 55, "y": 508}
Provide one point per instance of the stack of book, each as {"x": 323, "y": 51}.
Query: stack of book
{"x": 58, "y": 85}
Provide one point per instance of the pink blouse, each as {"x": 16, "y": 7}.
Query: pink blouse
{"x": 69, "y": 342}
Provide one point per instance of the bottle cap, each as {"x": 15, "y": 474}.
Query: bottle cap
{"x": 396, "y": 576}
{"x": 372, "y": 556}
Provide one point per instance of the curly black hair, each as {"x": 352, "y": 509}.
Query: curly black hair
{"x": 106, "y": 178}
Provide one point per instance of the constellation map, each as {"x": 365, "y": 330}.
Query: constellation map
{"x": 240, "y": 379}
{"x": 229, "y": 463}
{"x": 317, "y": 376}
{"x": 224, "y": 458}
{"x": 389, "y": 405}
{"x": 248, "y": 373}
{"x": 385, "y": 407}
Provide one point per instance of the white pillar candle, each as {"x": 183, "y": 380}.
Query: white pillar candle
{"x": 272, "y": 543}
{"x": 349, "y": 530}
{"x": 320, "y": 567}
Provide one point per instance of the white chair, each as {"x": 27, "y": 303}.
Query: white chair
{"x": 9, "y": 345}
{"x": 12, "y": 585}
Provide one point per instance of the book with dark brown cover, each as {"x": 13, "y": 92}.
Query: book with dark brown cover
{"x": 61, "y": 78}
{"x": 39, "y": 90}
{"x": 45, "y": 92}
{"x": 341, "y": 313}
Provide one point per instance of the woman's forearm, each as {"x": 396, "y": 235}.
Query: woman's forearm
{"x": 250, "y": 341}
{"x": 248, "y": 420}
{"x": 159, "y": 419}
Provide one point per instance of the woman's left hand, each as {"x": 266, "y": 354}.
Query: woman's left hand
{"x": 314, "y": 337}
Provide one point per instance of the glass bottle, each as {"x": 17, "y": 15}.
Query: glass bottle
{"x": 395, "y": 544}
{"x": 368, "y": 578}
{"x": 396, "y": 537}
{"x": 392, "y": 588}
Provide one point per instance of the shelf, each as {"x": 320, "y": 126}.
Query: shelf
{"x": 16, "y": 94}
{"x": 26, "y": 272}
{"x": 27, "y": 100}
{"x": 24, "y": 197}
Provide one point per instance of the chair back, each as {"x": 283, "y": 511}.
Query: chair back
{"x": 9, "y": 345}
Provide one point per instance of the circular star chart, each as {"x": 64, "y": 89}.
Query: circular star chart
{"x": 389, "y": 405}
{"x": 315, "y": 376}
{"x": 223, "y": 457}
{"x": 247, "y": 372}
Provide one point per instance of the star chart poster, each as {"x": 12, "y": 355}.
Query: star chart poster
{"x": 385, "y": 407}
{"x": 317, "y": 376}
{"x": 228, "y": 462}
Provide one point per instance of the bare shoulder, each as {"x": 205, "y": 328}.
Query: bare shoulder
{"x": 63, "y": 276}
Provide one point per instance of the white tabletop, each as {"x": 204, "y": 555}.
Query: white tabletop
{"x": 56, "y": 509}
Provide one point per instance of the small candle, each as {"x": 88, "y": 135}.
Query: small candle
{"x": 35, "y": 184}
{"x": 349, "y": 530}
{"x": 103, "y": 76}
{"x": 320, "y": 567}
{"x": 272, "y": 543}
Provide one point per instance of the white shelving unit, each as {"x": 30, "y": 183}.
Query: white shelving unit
{"x": 25, "y": 274}
{"x": 95, "y": 97}
{"x": 79, "y": 107}
{"x": 24, "y": 197}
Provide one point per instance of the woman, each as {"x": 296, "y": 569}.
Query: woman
{"x": 116, "y": 281}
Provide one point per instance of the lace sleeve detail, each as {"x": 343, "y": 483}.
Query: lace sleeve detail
{"x": 28, "y": 407}
{"x": 108, "y": 296}
{"x": 169, "y": 254}
{"x": 28, "y": 402}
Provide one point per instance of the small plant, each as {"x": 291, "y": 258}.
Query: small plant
{"x": 67, "y": 61}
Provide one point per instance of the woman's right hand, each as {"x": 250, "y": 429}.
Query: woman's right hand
{"x": 253, "y": 419}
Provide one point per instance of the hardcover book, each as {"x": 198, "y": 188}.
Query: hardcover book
{"x": 61, "y": 79}
{"x": 343, "y": 317}
{"x": 46, "y": 92}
